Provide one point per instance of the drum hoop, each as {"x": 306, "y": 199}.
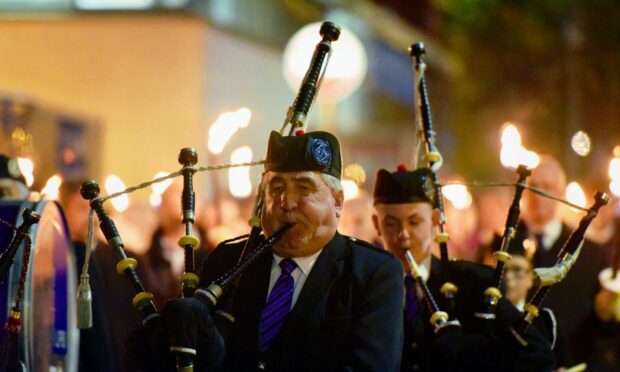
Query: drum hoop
{"x": 71, "y": 334}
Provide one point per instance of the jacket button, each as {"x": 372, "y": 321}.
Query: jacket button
{"x": 414, "y": 345}
{"x": 262, "y": 365}
{"x": 415, "y": 367}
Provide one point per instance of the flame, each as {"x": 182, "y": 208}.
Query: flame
{"x": 509, "y": 156}
{"x": 614, "y": 169}
{"x": 239, "y": 182}
{"x": 614, "y": 172}
{"x": 114, "y": 184}
{"x": 530, "y": 159}
{"x": 614, "y": 187}
{"x": 458, "y": 195}
{"x": 26, "y": 166}
{"x": 52, "y": 187}
{"x": 226, "y": 125}
{"x": 511, "y": 136}
{"x": 513, "y": 153}
{"x": 160, "y": 187}
{"x": 575, "y": 194}
{"x": 350, "y": 189}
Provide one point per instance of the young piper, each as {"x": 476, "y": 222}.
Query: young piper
{"x": 406, "y": 221}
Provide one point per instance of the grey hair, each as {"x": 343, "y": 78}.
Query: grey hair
{"x": 334, "y": 184}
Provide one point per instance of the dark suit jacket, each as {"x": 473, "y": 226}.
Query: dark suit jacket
{"x": 120, "y": 317}
{"x": 348, "y": 315}
{"x": 471, "y": 349}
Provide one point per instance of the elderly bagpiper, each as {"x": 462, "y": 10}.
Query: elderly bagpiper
{"x": 317, "y": 300}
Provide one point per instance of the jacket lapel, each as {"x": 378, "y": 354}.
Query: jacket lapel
{"x": 305, "y": 316}
{"x": 253, "y": 291}
{"x": 435, "y": 278}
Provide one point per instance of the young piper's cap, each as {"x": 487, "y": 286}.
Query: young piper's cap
{"x": 312, "y": 151}
{"x": 404, "y": 186}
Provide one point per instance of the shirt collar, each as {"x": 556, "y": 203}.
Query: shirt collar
{"x": 519, "y": 305}
{"x": 425, "y": 267}
{"x": 552, "y": 231}
{"x": 303, "y": 263}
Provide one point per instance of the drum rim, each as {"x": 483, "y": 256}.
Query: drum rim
{"x": 73, "y": 334}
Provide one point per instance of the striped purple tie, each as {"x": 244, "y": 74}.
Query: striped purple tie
{"x": 412, "y": 305}
{"x": 278, "y": 304}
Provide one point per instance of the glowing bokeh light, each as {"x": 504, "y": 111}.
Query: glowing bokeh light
{"x": 160, "y": 187}
{"x": 575, "y": 194}
{"x": 239, "y": 182}
{"x": 114, "y": 184}
{"x": 513, "y": 153}
{"x": 26, "y": 167}
{"x": 614, "y": 169}
{"x": 458, "y": 195}
{"x": 52, "y": 187}
{"x": 225, "y": 126}
{"x": 510, "y": 136}
{"x": 355, "y": 172}
{"x": 155, "y": 199}
{"x": 350, "y": 189}
{"x": 512, "y": 157}
{"x": 581, "y": 143}
{"x": 347, "y": 64}
{"x": 614, "y": 187}
{"x": 530, "y": 159}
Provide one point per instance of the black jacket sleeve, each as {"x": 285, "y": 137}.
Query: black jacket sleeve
{"x": 378, "y": 330}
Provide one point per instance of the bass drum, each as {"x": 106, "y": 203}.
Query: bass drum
{"x": 49, "y": 338}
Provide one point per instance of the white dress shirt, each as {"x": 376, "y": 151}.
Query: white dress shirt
{"x": 425, "y": 267}
{"x": 425, "y": 270}
{"x": 300, "y": 274}
{"x": 550, "y": 233}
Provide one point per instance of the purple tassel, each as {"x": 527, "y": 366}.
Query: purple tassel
{"x": 9, "y": 353}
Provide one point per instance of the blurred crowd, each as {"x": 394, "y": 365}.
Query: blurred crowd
{"x": 585, "y": 317}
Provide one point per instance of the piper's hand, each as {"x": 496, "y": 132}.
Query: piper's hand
{"x": 147, "y": 349}
{"x": 193, "y": 334}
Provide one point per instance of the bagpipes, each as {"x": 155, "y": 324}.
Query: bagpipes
{"x": 493, "y": 293}
{"x": 545, "y": 277}
{"x": 189, "y": 280}
{"x": 142, "y": 300}
{"x": 255, "y": 246}
{"x": 439, "y": 319}
{"x": 548, "y": 277}
{"x": 434, "y": 161}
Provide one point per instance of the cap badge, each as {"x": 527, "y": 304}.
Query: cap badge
{"x": 321, "y": 151}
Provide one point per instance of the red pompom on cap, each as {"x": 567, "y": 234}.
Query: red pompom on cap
{"x": 299, "y": 132}
{"x": 401, "y": 167}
